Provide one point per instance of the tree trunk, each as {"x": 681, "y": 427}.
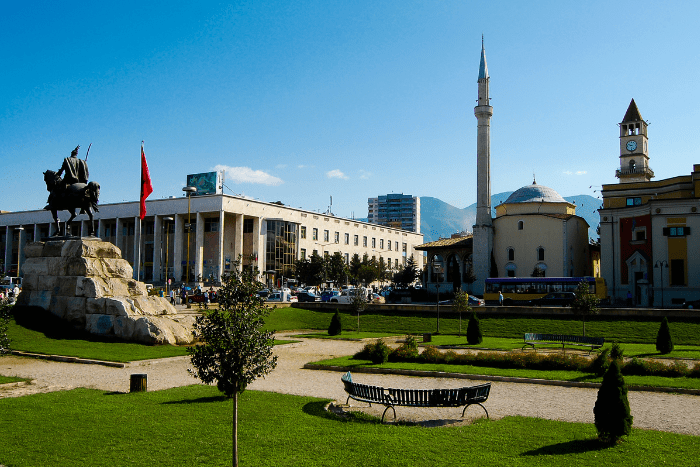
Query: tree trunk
{"x": 584, "y": 325}
{"x": 235, "y": 430}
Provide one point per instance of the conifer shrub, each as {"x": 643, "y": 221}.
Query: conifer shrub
{"x": 335, "y": 328}
{"x": 474, "y": 335}
{"x": 5, "y": 312}
{"x": 664, "y": 342}
{"x": 613, "y": 419}
{"x": 601, "y": 362}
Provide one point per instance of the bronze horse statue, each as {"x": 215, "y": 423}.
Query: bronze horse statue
{"x": 83, "y": 196}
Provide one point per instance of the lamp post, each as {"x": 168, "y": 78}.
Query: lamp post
{"x": 167, "y": 247}
{"x": 661, "y": 264}
{"x": 189, "y": 191}
{"x": 437, "y": 268}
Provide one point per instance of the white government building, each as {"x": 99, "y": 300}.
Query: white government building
{"x": 223, "y": 227}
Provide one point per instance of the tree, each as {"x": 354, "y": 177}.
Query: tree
{"x": 355, "y": 264}
{"x": 234, "y": 350}
{"x": 461, "y": 304}
{"x": 407, "y": 274}
{"x": 474, "y": 335}
{"x": 664, "y": 342}
{"x": 335, "y": 328}
{"x": 336, "y": 268}
{"x": 5, "y": 312}
{"x": 612, "y": 409}
{"x": 585, "y": 303}
{"x": 367, "y": 273}
{"x": 469, "y": 276}
{"x": 359, "y": 303}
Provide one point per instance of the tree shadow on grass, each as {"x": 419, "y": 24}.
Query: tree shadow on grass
{"x": 318, "y": 409}
{"x": 579, "y": 446}
{"x": 199, "y": 400}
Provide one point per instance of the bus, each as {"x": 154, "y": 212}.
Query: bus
{"x": 520, "y": 290}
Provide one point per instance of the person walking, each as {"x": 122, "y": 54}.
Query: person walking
{"x": 500, "y": 298}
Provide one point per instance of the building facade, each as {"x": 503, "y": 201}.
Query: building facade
{"x": 649, "y": 229}
{"x": 395, "y": 210}
{"x": 221, "y": 228}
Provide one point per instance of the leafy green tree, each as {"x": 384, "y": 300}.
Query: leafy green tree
{"x": 317, "y": 269}
{"x": 233, "y": 349}
{"x": 612, "y": 409}
{"x": 5, "y": 312}
{"x": 359, "y": 303}
{"x": 406, "y": 275}
{"x": 354, "y": 268}
{"x": 336, "y": 268}
{"x": 335, "y": 328}
{"x": 367, "y": 273}
{"x": 664, "y": 342}
{"x": 585, "y": 304}
{"x": 461, "y": 305}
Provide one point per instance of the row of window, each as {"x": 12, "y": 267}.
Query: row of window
{"x": 540, "y": 254}
{"x": 356, "y": 239}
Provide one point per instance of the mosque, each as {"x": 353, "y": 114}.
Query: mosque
{"x": 536, "y": 232}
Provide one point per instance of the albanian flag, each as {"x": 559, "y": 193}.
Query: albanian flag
{"x": 146, "y": 187}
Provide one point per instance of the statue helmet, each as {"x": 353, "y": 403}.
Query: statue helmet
{"x": 74, "y": 152}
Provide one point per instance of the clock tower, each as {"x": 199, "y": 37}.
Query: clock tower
{"x": 634, "y": 153}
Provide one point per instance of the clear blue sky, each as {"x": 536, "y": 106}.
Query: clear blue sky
{"x": 304, "y": 100}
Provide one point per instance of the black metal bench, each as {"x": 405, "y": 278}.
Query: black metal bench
{"x": 390, "y": 397}
{"x": 532, "y": 339}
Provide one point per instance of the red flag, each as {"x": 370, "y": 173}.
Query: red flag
{"x": 146, "y": 187}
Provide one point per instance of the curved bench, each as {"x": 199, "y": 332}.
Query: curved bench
{"x": 390, "y": 397}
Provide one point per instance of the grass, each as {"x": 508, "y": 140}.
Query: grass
{"x": 10, "y": 379}
{"x": 552, "y": 375}
{"x": 192, "y": 426}
{"x": 623, "y": 329}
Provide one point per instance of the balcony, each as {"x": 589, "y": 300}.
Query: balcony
{"x": 625, "y": 171}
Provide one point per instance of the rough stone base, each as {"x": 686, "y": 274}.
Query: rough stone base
{"x": 86, "y": 281}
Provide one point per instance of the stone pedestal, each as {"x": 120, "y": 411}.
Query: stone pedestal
{"x": 86, "y": 281}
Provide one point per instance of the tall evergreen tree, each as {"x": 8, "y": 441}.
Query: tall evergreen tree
{"x": 664, "y": 342}
{"x": 612, "y": 409}
{"x": 474, "y": 335}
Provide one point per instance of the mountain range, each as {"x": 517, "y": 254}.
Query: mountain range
{"x": 439, "y": 219}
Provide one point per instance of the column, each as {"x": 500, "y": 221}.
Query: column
{"x": 37, "y": 233}
{"x": 199, "y": 249}
{"x": 158, "y": 245}
{"x": 137, "y": 248}
{"x": 220, "y": 249}
{"x": 8, "y": 248}
{"x": 258, "y": 245}
{"x": 118, "y": 233}
{"x": 178, "y": 242}
{"x": 20, "y": 251}
{"x": 100, "y": 228}
{"x": 238, "y": 239}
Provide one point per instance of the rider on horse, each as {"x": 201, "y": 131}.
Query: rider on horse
{"x": 76, "y": 171}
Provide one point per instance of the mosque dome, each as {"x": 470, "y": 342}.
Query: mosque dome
{"x": 535, "y": 194}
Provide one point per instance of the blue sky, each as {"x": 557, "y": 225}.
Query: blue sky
{"x": 305, "y": 100}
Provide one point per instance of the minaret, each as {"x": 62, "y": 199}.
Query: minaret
{"x": 483, "y": 229}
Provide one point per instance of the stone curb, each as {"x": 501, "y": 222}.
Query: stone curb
{"x": 61, "y": 358}
{"x": 16, "y": 384}
{"x": 505, "y": 379}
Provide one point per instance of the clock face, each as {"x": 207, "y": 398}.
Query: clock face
{"x": 631, "y": 145}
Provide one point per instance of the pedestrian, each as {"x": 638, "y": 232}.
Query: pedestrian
{"x": 172, "y": 297}
{"x": 629, "y": 298}
{"x": 500, "y": 298}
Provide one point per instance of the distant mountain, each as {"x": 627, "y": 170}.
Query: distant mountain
{"x": 439, "y": 219}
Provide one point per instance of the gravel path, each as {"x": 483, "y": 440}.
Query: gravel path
{"x": 658, "y": 411}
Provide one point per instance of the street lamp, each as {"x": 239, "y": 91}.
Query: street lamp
{"x": 167, "y": 220}
{"x": 437, "y": 267}
{"x": 189, "y": 191}
{"x": 661, "y": 264}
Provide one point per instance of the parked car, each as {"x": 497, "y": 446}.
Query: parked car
{"x": 555, "y": 299}
{"x": 279, "y": 297}
{"x": 473, "y": 301}
{"x": 264, "y": 293}
{"x": 308, "y": 297}
{"x": 327, "y": 295}
{"x": 376, "y": 298}
{"x": 348, "y": 295}
{"x": 692, "y": 304}
{"x": 199, "y": 298}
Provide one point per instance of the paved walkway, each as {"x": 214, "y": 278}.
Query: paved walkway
{"x": 659, "y": 411}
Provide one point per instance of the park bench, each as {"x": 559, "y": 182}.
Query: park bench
{"x": 390, "y": 397}
{"x": 532, "y": 339}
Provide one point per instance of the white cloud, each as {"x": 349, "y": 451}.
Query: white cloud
{"x": 364, "y": 175}
{"x": 336, "y": 174}
{"x": 581, "y": 172}
{"x": 248, "y": 175}
{"x": 578, "y": 172}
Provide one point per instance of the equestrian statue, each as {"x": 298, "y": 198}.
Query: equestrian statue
{"x": 72, "y": 192}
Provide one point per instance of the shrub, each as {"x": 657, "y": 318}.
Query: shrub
{"x": 5, "y": 310}
{"x": 664, "y": 343}
{"x": 377, "y": 352}
{"x": 335, "y": 328}
{"x": 617, "y": 352}
{"x": 474, "y": 335}
{"x": 601, "y": 362}
{"x": 406, "y": 352}
{"x": 612, "y": 409}
{"x": 431, "y": 354}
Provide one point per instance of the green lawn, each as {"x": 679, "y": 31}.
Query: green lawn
{"x": 555, "y": 375}
{"x": 10, "y": 379}
{"x": 191, "y": 426}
